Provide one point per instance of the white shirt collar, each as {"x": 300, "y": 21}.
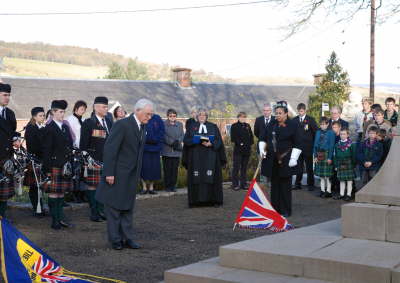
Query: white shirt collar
{"x": 302, "y": 117}
{"x": 59, "y": 124}
{"x": 137, "y": 121}
{"x": 40, "y": 125}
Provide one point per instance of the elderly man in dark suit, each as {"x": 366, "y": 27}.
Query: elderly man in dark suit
{"x": 263, "y": 121}
{"x": 123, "y": 152}
{"x": 336, "y": 112}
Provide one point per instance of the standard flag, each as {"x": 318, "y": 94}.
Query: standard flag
{"x": 24, "y": 262}
{"x": 258, "y": 213}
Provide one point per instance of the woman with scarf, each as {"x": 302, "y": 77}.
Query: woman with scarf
{"x": 279, "y": 148}
{"x": 204, "y": 158}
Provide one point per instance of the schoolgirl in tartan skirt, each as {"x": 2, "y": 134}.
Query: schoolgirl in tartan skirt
{"x": 345, "y": 162}
{"x": 324, "y": 144}
{"x": 57, "y": 149}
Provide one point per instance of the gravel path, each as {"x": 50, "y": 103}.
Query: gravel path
{"x": 171, "y": 234}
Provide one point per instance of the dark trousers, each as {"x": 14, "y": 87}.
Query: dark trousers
{"x": 119, "y": 224}
{"x": 281, "y": 195}
{"x": 170, "y": 166}
{"x": 240, "y": 162}
{"x": 307, "y": 160}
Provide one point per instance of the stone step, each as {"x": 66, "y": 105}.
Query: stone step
{"x": 318, "y": 252}
{"x": 209, "y": 271}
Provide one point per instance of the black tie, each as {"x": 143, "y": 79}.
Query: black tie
{"x": 266, "y": 121}
{"x": 3, "y": 113}
{"x": 104, "y": 125}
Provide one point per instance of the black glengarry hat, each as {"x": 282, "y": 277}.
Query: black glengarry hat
{"x": 281, "y": 103}
{"x": 5, "y": 88}
{"x": 36, "y": 110}
{"x": 101, "y": 100}
{"x": 59, "y": 104}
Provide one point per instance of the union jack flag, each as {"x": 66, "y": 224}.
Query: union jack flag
{"x": 49, "y": 271}
{"x": 258, "y": 213}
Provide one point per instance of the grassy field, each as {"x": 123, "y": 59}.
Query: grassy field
{"x": 34, "y": 68}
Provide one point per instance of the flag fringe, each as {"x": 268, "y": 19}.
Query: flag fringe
{"x": 67, "y": 272}
{"x": 272, "y": 229}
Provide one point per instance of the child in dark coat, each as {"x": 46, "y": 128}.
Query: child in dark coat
{"x": 369, "y": 155}
{"x": 386, "y": 142}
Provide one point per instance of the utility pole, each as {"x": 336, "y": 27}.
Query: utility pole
{"x": 372, "y": 56}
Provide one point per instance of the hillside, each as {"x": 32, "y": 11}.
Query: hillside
{"x": 44, "y": 69}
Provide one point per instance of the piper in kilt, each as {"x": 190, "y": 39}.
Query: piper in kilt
{"x": 57, "y": 152}
{"x": 323, "y": 155}
{"x": 94, "y": 133}
{"x": 34, "y": 136}
{"x": 345, "y": 162}
{"x": 8, "y": 125}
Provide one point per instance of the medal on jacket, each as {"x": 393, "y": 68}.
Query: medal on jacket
{"x": 305, "y": 125}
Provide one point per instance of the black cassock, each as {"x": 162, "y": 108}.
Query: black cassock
{"x": 276, "y": 163}
{"x": 204, "y": 166}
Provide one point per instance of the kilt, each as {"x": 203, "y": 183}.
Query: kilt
{"x": 323, "y": 169}
{"x": 93, "y": 175}
{"x": 345, "y": 171}
{"x": 29, "y": 179}
{"x": 7, "y": 190}
{"x": 59, "y": 184}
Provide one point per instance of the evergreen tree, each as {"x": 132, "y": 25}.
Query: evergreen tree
{"x": 136, "y": 71}
{"x": 333, "y": 89}
{"x": 115, "y": 72}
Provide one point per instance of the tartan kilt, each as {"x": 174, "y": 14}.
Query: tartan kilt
{"x": 29, "y": 179}
{"x": 322, "y": 168}
{"x": 347, "y": 173}
{"x": 59, "y": 184}
{"x": 93, "y": 175}
{"x": 7, "y": 190}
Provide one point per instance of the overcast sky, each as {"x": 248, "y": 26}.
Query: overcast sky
{"x": 238, "y": 41}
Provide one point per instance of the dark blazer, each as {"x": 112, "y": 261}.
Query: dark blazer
{"x": 34, "y": 138}
{"x": 7, "y": 132}
{"x": 259, "y": 125}
{"x": 57, "y": 146}
{"x": 122, "y": 158}
{"x": 344, "y": 124}
{"x": 372, "y": 154}
{"x": 94, "y": 136}
{"x": 287, "y": 138}
{"x": 242, "y": 137}
{"x": 306, "y": 131}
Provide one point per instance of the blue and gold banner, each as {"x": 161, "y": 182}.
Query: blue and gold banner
{"x": 23, "y": 262}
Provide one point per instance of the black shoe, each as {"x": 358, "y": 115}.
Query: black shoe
{"x": 65, "y": 224}
{"x": 66, "y": 204}
{"x": 144, "y": 192}
{"x": 95, "y": 218}
{"x": 244, "y": 188}
{"x": 173, "y": 190}
{"x": 55, "y": 226}
{"x": 102, "y": 216}
{"x": 286, "y": 215}
{"x": 310, "y": 188}
{"x": 152, "y": 192}
{"x": 132, "y": 245}
{"x": 297, "y": 187}
{"x": 322, "y": 194}
{"x": 328, "y": 195}
{"x": 217, "y": 205}
{"x": 235, "y": 188}
{"x": 347, "y": 198}
{"x": 117, "y": 246}
{"x": 337, "y": 197}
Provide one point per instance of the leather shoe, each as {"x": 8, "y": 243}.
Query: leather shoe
{"x": 95, "y": 218}
{"x": 144, "y": 192}
{"x": 132, "y": 245}
{"x": 297, "y": 187}
{"x": 55, "y": 226}
{"x": 65, "y": 224}
{"x": 117, "y": 246}
{"x": 153, "y": 192}
{"x": 102, "y": 216}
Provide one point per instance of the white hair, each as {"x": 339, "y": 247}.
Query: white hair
{"x": 268, "y": 105}
{"x": 142, "y": 103}
{"x": 202, "y": 110}
{"x": 338, "y": 108}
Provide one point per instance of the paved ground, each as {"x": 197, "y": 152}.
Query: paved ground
{"x": 171, "y": 234}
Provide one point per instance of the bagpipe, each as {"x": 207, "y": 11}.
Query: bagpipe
{"x": 81, "y": 159}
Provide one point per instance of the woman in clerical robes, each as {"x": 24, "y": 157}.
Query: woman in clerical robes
{"x": 204, "y": 158}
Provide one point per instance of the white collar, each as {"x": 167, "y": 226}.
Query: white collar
{"x": 59, "y": 124}
{"x": 302, "y": 117}
{"x": 267, "y": 118}
{"x": 100, "y": 119}
{"x": 344, "y": 140}
{"x": 202, "y": 129}
{"x": 41, "y": 125}
{"x": 137, "y": 121}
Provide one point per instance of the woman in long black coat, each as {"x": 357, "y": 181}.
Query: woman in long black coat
{"x": 203, "y": 161}
{"x": 279, "y": 146}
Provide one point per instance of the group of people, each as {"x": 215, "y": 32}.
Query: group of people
{"x": 289, "y": 147}
{"x": 119, "y": 151}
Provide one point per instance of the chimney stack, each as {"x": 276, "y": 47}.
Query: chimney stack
{"x": 182, "y": 76}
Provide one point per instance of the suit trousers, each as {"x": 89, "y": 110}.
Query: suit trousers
{"x": 281, "y": 195}
{"x": 119, "y": 224}
{"x": 170, "y": 166}
{"x": 307, "y": 159}
{"x": 240, "y": 162}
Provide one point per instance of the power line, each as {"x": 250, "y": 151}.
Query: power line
{"x": 135, "y": 11}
